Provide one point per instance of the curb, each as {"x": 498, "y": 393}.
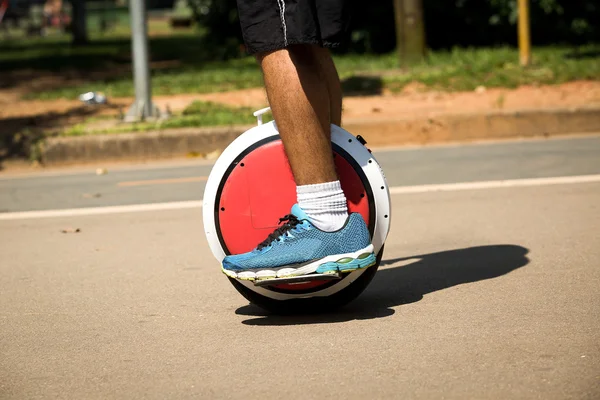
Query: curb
{"x": 196, "y": 142}
{"x": 478, "y": 126}
{"x": 207, "y": 142}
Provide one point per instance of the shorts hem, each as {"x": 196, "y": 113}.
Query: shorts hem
{"x": 282, "y": 45}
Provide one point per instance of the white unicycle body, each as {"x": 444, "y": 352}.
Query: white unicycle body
{"x": 251, "y": 186}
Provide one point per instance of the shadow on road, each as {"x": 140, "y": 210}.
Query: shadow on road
{"x": 397, "y": 285}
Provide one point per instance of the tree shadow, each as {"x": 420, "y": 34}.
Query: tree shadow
{"x": 19, "y": 134}
{"x": 362, "y": 86}
{"x": 582, "y": 55}
{"x": 107, "y": 59}
{"x": 407, "y": 284}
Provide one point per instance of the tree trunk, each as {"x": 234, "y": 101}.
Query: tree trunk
{"x": 410, "y": 31}
{"x": 79, "y": 22}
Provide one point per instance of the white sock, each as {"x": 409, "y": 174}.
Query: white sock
{"x": 325, "y": 204}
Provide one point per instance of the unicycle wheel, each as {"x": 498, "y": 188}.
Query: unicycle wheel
{"x": 311, "y": 305}
{"x": 251, "y": 186}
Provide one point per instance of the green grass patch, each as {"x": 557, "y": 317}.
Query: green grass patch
{"x": 213, "y": 77}
{"x": 466, "y": 69}
{"x": 184, "y": 63}
{"x": 197, "y": 114}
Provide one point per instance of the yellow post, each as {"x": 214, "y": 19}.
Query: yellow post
{"x": 524, "y": 33}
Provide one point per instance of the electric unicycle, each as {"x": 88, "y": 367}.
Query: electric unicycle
{"x": 251, "y": 186}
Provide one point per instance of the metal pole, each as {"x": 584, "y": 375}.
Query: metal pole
{"x": 524, "y": 33}
{"x": 142, "y": 108}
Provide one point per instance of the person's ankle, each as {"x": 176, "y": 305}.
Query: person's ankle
{"x": 325, "y": 204}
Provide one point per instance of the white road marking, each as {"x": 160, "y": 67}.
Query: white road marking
{"x": 449, "y": 187}
{"x": 148, "y": 182}
{"x": 453, "y": 187}
{"x": 75, "y": 212}
{"x": 484, "y": 142}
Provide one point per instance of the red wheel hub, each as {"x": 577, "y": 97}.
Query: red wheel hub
{"x": 261, "y": 189}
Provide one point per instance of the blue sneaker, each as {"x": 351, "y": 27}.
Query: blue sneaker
{"x": 299, "y": 248}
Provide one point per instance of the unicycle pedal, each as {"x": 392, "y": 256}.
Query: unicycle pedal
{"x": 292, "y": 280}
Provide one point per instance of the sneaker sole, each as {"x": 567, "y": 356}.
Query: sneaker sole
{"x": 340, "y": 263}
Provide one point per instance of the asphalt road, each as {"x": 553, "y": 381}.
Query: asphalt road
{"x": 185, "y": 181}
{"x": 483, "y": 293}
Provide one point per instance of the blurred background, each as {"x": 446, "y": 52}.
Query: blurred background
{"x": 484, "y": 115}
{"x": 410, "y": 57}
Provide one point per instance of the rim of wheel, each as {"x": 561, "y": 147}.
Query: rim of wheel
{"x": 345, "y": 145}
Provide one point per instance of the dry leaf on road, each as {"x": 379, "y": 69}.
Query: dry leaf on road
{"x": 70, "y": 230}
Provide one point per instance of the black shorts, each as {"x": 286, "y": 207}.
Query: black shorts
{"x": 269, "y": 25}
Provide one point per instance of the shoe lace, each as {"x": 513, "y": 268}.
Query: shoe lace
{"x": 290, "y": 221}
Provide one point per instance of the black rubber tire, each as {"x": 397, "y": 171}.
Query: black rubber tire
{"x": 311, "y": 305}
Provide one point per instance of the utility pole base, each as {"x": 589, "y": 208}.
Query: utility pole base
{"x": 140, "y": 111}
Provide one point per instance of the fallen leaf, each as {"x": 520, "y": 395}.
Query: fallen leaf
{"x": 70, "y": 230}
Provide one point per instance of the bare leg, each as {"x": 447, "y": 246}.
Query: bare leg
{"x": 300, "y": 102}
{"x": 330, "y": 75}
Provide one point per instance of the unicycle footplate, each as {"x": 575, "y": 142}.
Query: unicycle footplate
{"x": 297, "y": 280}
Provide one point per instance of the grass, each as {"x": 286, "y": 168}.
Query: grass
{"x": 197, "y": 114}
{"x": 183, "y": 63}
{"x": 460, "y": 69}
{"x": 213, "y": 77}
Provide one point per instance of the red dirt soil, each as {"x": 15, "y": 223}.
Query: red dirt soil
{"x": 413, "y": 102}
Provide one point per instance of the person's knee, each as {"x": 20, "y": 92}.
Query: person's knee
{"x": 299, "y": 54}
{"x": 303, "y": 54}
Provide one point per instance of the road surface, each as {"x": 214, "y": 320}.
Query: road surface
{"x": 489, "y": 287}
